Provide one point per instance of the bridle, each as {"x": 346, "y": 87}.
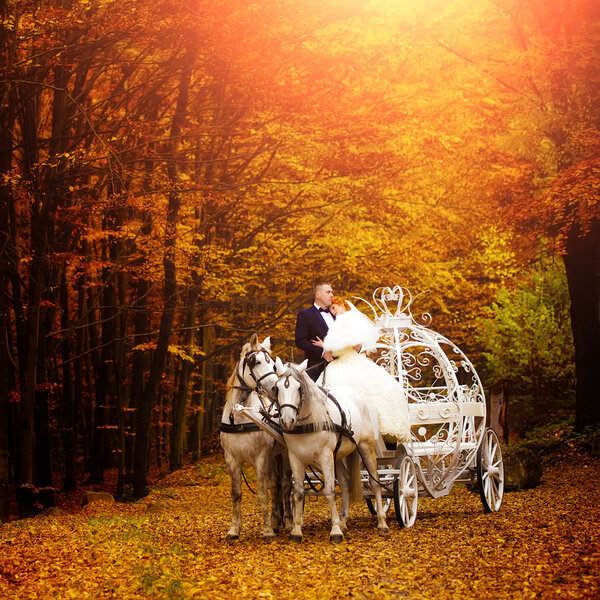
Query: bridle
{"x": 286, "y": 384}
{"x": 250, "y": 362}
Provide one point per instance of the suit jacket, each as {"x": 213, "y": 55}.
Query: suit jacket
{"x": 310, "y": 325}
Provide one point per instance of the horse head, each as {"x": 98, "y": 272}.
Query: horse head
{"x": 289, "y": 392}
{"x": 256, "y": 368}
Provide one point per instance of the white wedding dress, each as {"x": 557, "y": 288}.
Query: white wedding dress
{"x": 382, "y": 390}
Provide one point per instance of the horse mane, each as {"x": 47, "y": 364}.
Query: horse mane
{"x": 314, "y": 398}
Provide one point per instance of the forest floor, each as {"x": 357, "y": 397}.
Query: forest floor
{"x": 543, "y": 543}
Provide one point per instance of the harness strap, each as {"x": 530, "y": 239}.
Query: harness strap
{"x": 310, "y": 483}
{"x": 343, "y": 429}
{"x": 238, "y": 428}
{"x": 268, "y": 419}
{"x": 344, "y": 424}
{"x": 312, "y": 428}
{"x": 234, "y": 427}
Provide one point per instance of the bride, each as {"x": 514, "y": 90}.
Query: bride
{"x": 350, "y": 331}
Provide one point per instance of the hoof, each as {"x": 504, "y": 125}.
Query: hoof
{"x": 268, "y": 538}
{"x": 338, "y": 538}
{"x": 383, "y": 532}
{"x": 296, "y": 538}
{"x": 232, "y": 538}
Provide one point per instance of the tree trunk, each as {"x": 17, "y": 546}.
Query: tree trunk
{"x": 202, "y": 391}
{"x": 98, "y": 460}
{"x": 43, "y": 471}
{"x": 69, "y": 431}
{"x": 140, "y": 362}
{"x": 4, "y": 408}
{"x": 144, "y": 412}
{"x": 181, "y": 396}
{"x": 122, "y": 400}
{"x": 582, "y": 263}
{"x": 5, "y": 195}
{"x": 26, "y": 437}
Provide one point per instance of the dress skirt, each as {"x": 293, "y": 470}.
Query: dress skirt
{"x": 382, "y": 390}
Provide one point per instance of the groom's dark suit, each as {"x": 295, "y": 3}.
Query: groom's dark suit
{"x": 309, "y": 326}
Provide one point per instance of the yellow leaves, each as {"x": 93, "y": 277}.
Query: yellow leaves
{"x": 8, "y": 23}
{"x": 179, "y": 351}
{"x": 183, "y": 352}
{"x": 543, "y": 543}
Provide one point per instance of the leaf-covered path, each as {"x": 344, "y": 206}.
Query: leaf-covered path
{"x": 544, "y": 543}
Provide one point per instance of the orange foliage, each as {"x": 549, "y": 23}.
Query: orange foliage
{"x": 543, "y": 543}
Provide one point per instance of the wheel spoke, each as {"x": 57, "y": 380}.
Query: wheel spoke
{"x": 406, "y": 493}
{"x": 493, "y": 496}
{"x": 490, "y": 471}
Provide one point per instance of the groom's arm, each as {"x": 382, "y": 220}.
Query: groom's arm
{"x": 303, "y": 337}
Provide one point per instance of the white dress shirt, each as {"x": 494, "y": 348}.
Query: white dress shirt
{"x": 327, "y": 316}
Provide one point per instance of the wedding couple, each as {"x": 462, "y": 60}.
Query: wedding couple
{"x": 332, "y": 332}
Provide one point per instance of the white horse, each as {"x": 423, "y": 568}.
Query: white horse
{"x": 316, "y": 426}
{"x": 250, "y": 385}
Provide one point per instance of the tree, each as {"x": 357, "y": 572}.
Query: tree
{"x": 528, "y": 340}
{"x": 564, "y": 82}
{"x": 542, "y": 60}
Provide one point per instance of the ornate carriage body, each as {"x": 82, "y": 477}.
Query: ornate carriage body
{"x": 446, "y": 400}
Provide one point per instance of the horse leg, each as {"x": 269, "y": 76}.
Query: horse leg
{"x": 281, "y": 490}
{"x": 344, "y": 483}
{"x": 286, "y": 490}
{"x": 298, "y": 472}
{"x": 264, "y": 476}
{"x": 327, "y": 467}
{"x": 275, "y": 475}
{"x": 235, "y": 474}
{"x": 370, "y": 459}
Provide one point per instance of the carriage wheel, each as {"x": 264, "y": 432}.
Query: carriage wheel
{"x": 490, "y": 471}
{"x": 371, "y": 505}
{"x": 387, "y": 501}
{"x": 406, "y": 493}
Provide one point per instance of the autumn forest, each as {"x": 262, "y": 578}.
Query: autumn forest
{"x": 175, "y": 175}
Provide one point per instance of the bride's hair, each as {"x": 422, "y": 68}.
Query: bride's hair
{"x": 341, "y": 302}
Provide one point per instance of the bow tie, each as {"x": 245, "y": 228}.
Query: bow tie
{"x": 323, "y": 310}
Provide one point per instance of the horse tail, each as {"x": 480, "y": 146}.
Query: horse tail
{"x": 356, "y": 488}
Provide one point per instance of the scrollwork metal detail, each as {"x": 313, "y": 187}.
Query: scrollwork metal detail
{"x": 429, "y": 366}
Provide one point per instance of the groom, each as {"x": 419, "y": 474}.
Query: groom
{"x": 312, "y": 325}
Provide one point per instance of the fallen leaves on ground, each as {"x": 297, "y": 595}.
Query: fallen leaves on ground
{"x": 544, "y": 543}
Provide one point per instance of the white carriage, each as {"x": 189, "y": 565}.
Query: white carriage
{"x": 447, "y": 409}
{"x": 450, "y": 441}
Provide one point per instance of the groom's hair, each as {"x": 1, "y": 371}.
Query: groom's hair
{"x": 319, "y": 283}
